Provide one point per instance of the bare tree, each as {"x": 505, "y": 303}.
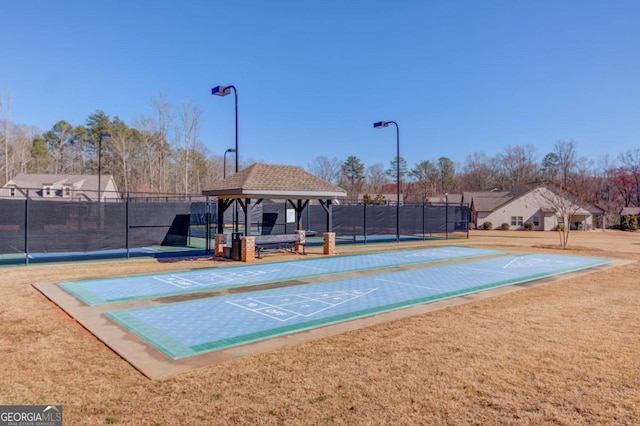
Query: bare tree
{"x": 327, "y": 169}
{"x": 477, "y": 172}
{"x": 583, "y": 180}
{"x": 120, "y": 144}
{"x": 624, "y": 185}
{"x": 5, "y": 107}
{"x": 188, "y": 134}
{"x": 630, "y": 160}
{"x": 59, "y": 139}
{"x": 147, "y": 142}
{"x": 163, "y": 122}
{"x": 215, "y": 167}
{"x": 199, "y": 169}
{"x": 566, "y": 153}
{"x": 520, "y": 165}
{"x": 21, "y": 148}
{"x": 607, "y": 193}
{"x": 565, "y": 206}
{"x": 447, "y": 173}
{"x": 376, "y": 178}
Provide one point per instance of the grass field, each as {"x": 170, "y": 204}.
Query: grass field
{"x": 566, "y": 352}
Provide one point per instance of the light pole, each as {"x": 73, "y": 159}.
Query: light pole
{"x": 380, "y": 125}
{"x": 224, "y": 171}
{"x": 224, "y": 91}
{"x": 102, "y": 135}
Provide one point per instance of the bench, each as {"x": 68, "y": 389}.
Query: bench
{"x": 274, "y": 242}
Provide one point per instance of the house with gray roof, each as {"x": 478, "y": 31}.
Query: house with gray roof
{"x": 630, "y": 211}
{"x": 538, "y": 205}
{"x": 61, "y": 187}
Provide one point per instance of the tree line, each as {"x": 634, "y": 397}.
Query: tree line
{"x": 608, "y": 184}
{"x": 158, "y": 153}
{"x": 162, "y": 152}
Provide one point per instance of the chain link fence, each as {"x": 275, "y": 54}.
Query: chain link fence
{"x": 38, "y": 229}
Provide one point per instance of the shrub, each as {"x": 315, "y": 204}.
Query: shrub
{"x": 528, "y": 226}
{"x": 472, "y": 226}
{"x": 487, "y": 226}
{"x": 505, "y": 226}
{"x": 629, "y": 223}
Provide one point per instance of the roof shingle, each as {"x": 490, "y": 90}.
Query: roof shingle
{"x": 272, "y": 180}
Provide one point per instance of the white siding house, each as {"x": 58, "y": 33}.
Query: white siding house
{"x": 61, "y": 187}
{"x": 541, "y": 206}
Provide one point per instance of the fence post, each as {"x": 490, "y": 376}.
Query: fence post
{"x": 207, "y": 226}
{"x": 127, "y": 222}
{"x": 424, "y": 236}
{"x": 446, "y": 219}
{"x": 468, "y": 215}
{"x": 26, "y": 229}
{"x": 364, "y": 227}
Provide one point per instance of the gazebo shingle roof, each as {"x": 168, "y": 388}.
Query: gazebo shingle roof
{"x": 274, "y": 181}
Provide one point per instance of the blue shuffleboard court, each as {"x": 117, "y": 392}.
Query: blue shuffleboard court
{"x": 184, "y": 329}
{"x": 110, "y": 290}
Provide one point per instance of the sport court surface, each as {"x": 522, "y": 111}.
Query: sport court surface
{"x": 191, "y": 330}
{"x": 97, "y": 292}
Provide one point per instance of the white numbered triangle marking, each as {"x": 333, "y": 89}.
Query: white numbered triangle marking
{"x": 287, "y": 307}
{"x": 533, "y": 262}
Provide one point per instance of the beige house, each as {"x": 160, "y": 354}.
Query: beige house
{"x": 61, "y": 187}
{"x": 541, "y": 206}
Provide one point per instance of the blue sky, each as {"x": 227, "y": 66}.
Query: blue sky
{"x": 313, "y": 76}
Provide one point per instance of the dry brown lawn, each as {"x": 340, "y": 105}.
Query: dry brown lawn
{"x": 566, "y": 353}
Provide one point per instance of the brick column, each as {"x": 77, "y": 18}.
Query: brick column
{"x": 300, "y": 247}
{"x": 220, "y": 243}
{"x": 329, "y": 246}
{"x": 248, "y": 249}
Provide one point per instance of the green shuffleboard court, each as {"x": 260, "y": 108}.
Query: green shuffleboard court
{"x": 110, "y": 290}
{"x": 185, "y": 329}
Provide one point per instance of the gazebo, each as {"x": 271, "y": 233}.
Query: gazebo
{"x": 261, "y": 181}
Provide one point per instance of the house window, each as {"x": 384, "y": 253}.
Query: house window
{"x": 67, "y": 192}
{"x": 13, "y": 192}
{"x": 47, "y": 191}
{"x": 516, "y": 221}
{"x": 535, "y": 220}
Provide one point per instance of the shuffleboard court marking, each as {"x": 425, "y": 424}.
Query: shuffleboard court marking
{"x": 528, "y": 262}
{"x": 297, "y": 265}
{"x": 119, "y": 289}
{"x": 487, "y": 271}
{"x": 178, "y": 282}
{"x": 403, "y": 283}
{"x": 184, "y": 329}
{"x": 300, "y": 304}
{"x": 508, "y": 264}
{"x": 206, "y": 279}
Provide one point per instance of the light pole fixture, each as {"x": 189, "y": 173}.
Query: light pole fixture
{"x": 224, "y": 171}
{"x": 381, "y": 125}
{"x": 102, "y": 135}
{"x": 224, "y": 91}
